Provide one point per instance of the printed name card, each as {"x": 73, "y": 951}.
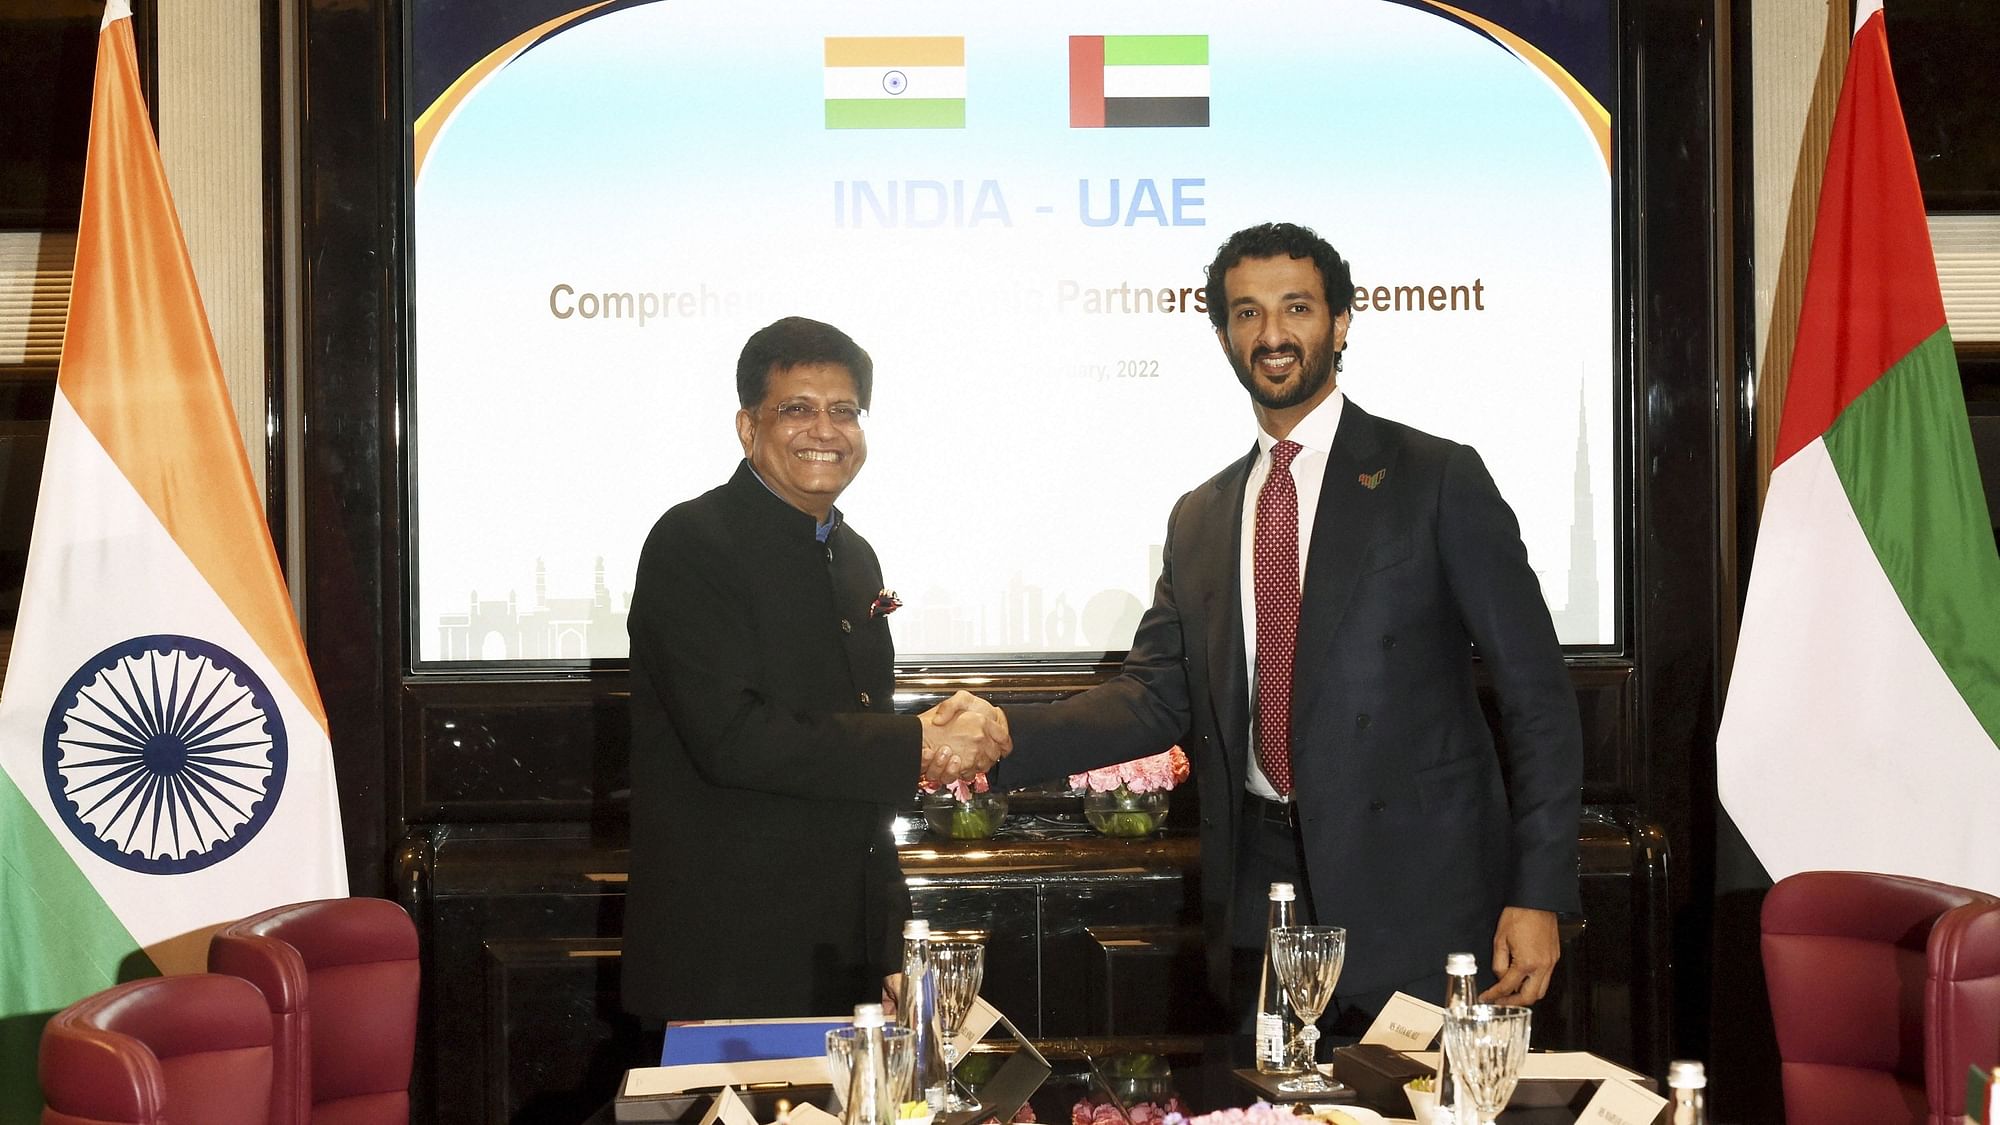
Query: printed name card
{"x": 1406, "y": 1024}
{"x": 806, "y": 1113}
{"x": 1619, "y": 1102}
{"x": 728, "y": 1110}
{"x": 978, "y": 1022}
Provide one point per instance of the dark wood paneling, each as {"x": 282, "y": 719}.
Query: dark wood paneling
{"x": 505, "y": 749}
{"x": 512, "y": 749}
{"x": 350, "y": 320}
{"x": 556, "y": 1040}
{"x": 1681, "y": 576}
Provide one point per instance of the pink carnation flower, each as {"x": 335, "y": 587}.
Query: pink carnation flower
{"x": 963, "y": 790}
{"x": 1155, "y": 774}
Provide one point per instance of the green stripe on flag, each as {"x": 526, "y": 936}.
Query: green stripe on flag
{"x": 1156, "y": 50}
{"x": 59, "y": 942}
{"x": 888, "y": 113}
{"x": 1903, "y": 450}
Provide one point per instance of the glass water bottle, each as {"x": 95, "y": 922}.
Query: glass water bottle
{"x": 1279, "y": 1050}
{"x": 1689, "y": 1081}
{"x": 916, "y": 1009}
{"x": 1460, "y": 970}
{"x": 871, "y": 1098}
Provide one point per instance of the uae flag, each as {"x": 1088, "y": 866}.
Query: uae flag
{"x": 1138, "y": 81}
{"x": 1862, "y": 727}
{"x": 895, "y": 82}
{"x": 164, "y": 763}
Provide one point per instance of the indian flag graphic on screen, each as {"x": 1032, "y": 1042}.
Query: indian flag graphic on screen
{"x": 1138, "y": 81}
{"x": 895, "y": 82}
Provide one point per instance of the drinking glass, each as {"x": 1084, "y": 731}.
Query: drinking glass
{"x": 896, "y": 1041}
{"x": 960, "y": 967}
{"x": 1307, "y": 960}
{"x": 1487, "y": 1045}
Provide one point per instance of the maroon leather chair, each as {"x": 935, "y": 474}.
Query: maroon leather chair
{"x": 194, "y": 1048}
{"x": 1962, "y": 1005}
{"x": 1847, "y": 960}
{"x": 340, "y": 977}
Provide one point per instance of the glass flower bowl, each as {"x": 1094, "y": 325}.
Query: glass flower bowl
{"x": 974, "y": 818}
{"x": 1121, "y": 812}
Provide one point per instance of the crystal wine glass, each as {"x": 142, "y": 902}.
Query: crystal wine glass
{"x": 1307, "y": 960}
{"x": 960, "y": 968}
{"x": 1487, "y": 1045}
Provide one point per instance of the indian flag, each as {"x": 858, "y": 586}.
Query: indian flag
{"x": 895, "y": 82}
{"x": 1862, "y": 727}
{"x": 1135, "y": 81}
{"x": 164, "y": 762}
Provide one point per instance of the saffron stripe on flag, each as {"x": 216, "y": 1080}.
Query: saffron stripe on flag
{"x": 895, "y": 50}
{"x": 1155, "y": 50}
{"x": 1086, "y": 81}
{"x": 1155, "y": 112}
{"x": 889, "y": 113}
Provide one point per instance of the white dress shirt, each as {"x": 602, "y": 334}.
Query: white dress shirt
{"x": 1314, "y": 433}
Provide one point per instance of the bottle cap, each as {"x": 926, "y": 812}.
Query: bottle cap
{"x": 1461, "y": 964}
{"x": 917, "y": 928}
{"x": 1686, "y": 1074}
{"x": 1283, "y": 892}
{"x": 868, "y": 1015}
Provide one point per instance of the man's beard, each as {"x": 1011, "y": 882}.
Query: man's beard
{"x": 1315, "y": 368}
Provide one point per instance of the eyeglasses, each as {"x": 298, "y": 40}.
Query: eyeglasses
{"x": 845, "y": 415}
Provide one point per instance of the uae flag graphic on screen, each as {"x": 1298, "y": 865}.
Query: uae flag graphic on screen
{"x": 1138, "y": 81}
{"x": 895, "y": 82}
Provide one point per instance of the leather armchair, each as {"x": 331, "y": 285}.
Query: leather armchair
{"x": 164, "y": 1049}
{"x": 341, "y": 979}
{"x": 1962, "y": 1005}
{"x": 1847, "y": 960}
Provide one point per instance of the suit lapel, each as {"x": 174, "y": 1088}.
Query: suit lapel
{"x": 1346, "y": 524}
{"x": 1221, "y": 537}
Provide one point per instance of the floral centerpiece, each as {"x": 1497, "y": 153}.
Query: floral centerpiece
{"x": 963, "y": 810}
{"x": 1260, "y": 1113}
{"x": 1130, "y": 798}
{"x": 1087, "y": 1112}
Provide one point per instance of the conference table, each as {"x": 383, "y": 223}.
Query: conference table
{"x": 1129, "y": 1081}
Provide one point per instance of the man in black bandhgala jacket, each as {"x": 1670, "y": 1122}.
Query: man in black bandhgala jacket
{"x": 767, "y": 759}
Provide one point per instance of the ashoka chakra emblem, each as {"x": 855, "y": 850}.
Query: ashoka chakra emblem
{"x": 164, "y": 754}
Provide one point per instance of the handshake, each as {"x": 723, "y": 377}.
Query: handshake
{"x": 963, "y": 736}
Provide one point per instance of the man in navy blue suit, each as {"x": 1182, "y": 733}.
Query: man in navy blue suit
{"x": 1311, "y": 645}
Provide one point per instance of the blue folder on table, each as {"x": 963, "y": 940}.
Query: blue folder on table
{"x": 718, "y": 1041}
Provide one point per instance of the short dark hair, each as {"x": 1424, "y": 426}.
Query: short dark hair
{"x": 1269, "y": 240}
{"x": 784, "y": 344}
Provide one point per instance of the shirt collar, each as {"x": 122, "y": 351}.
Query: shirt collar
{"x": 821, "y": 531}
{"x": 1315, "y": 431}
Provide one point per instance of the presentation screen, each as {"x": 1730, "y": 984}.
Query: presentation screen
{"x": 1010, "y": 206}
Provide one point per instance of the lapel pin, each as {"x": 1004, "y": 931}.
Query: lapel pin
{"x": 1370, "y": 480}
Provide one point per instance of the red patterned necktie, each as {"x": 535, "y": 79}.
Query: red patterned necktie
{"x": 1276, "y": 561}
